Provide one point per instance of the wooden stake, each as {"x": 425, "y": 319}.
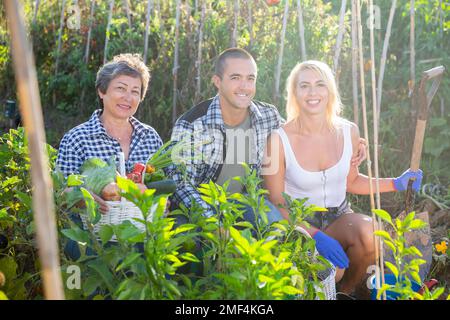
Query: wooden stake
{"x": 375, "y": 140}
{"x": 383, "y": 56}
{"x": 36, "y": 9}
{"x": 337, "y": 50}
{"x": 235, "y": 24}
{"x": 355, "y": 65}
{"x": 147, "y": 27}
{"x": 198, "y": 63}
{"x": 175, "y": 63}
{"x": 250, "y": 22}
{"x": 366, "y": 135}
{"x": 280, "y": 54}
{"x": 301, "y": 31}
{"x": 127, "y": 11}
{"x": 105, "y": 52}
{"x": 61, "y": 26}
{"x": 31, "y": 111}
{"x": 412, "y": 50}
{"x": 88, "y": 40}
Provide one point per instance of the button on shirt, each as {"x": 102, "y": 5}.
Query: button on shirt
{"x": 90, "y": 140}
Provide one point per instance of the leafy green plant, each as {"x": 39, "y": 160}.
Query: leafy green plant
{"x": 18, "y": 255}
{"x": 403, "y": 270}
{"x": 136, "y": 263}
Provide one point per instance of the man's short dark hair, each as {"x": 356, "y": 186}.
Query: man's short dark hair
{"x": 231, "y": 53}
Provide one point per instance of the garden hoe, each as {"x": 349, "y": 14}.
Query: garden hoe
{"x": 421, "y": 239}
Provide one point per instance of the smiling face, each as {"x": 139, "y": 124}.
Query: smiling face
{"x": 122, "y": 97}
{"x": 237, "y": 86}
{"x": 311, "y": 93}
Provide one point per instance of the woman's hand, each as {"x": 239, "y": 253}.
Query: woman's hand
{"x": 401, "y": 183}
{"x": 102, "y": 205}
{"x": 361, "y": 155}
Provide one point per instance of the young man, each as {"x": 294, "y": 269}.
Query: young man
{"x": 226, "y": 130}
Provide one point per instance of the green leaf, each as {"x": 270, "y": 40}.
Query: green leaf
{"x": 74, "y": 180}
{"x": 383, "y": 288}
{"x": 414, "y": 251}
{"x": 130, "y": 259}
{"x": 417, "y": 224}
{"x": 240, "y": 241}
{"x": 437, "y": 293}
{"x": 416, "y": 277}
{"x": 392, "y": 267}
{"x": 383, "y": 234}
{"x": 189, "y": 257}
{"x": 244, "y": 224}
{"x": 384, "y": 215}
{"x": 106, "y": 232}
{"x": 263, "y": 278}
{"x": 184, "y": 228}
{"x": 391, "y": 246}
{"x": 406, "y": 222}
{"x": 76, "y": 234}
{"x": 290, "y": 290}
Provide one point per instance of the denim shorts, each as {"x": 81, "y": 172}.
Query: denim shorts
{"x": 322, "y": 220}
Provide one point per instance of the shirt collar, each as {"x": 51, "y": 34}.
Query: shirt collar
{"x": 214, "y": 114}
{"x": 96, "y": 127}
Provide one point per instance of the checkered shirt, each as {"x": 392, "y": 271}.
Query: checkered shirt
{"x": 206, "y": 132}
{"x": 89, "y": 140}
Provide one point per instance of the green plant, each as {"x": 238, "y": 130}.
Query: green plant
{"x": 403, "y": 270}
{"x": 137, "y": 263}
{"x": 18, "y": 255}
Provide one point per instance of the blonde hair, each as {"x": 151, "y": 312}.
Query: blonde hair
{"x": 334, "y": 106}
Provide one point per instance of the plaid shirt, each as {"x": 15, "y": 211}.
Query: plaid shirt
{"x": 89, "y": 140}
{"x": 203, "y": 125}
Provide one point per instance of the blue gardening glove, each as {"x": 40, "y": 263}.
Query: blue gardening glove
{"x": 330, "y": 249}
{"x": 401, "y": 183}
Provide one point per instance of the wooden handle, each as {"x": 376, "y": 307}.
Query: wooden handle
{"x": 418, "y": 144}
{"x": 433, "y": 73}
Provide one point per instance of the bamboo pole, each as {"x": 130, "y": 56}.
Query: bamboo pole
{"x": 108, "y": 26}
{"x": 383, "y": 56}
{"x": 250, "y": 23}
{"x": 88, "y": 40}
{"x": 198, "y": 63}
{"x": 366, "y": 135}
{"x": 337, "y": 51}
{"x": 31, "y": 111}
{"x": 280, "y": 54}
{"x": 175, "y": 63}
{"x": 147, "y": 27}
{"x": 58, "y": 49}
{"x": 36, "y": 9}
{"x": 412, "y": 50}
{"x": 127, "y": 11}
{"x": 235, "y": 23}
{"x": 61, "y": 26}
{"x": 162, "y": 51}
{"x": 375, "y": 139}
{"x": 355, "y": 65}
{"x": 301, "y": 30}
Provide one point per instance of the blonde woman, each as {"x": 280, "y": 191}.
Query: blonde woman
{"x": 310, "y": 157}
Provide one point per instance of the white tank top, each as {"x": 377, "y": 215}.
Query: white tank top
{"x": 326, "y": 188}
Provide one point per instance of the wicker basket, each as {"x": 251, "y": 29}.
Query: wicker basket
{"x": 120, "y": 211}
{"x": 327, "y": 277}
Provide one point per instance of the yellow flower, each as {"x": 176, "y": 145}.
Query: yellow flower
{"x": 441, "y": 247}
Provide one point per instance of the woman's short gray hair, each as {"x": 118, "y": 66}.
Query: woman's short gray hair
{"x": 127, "y": 64}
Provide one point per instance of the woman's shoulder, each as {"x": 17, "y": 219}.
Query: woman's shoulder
{"x": 342, "y": 122}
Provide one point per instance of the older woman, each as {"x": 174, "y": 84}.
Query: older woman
{"x": 310, "y": 158}
{"x": 121, "y": 85}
